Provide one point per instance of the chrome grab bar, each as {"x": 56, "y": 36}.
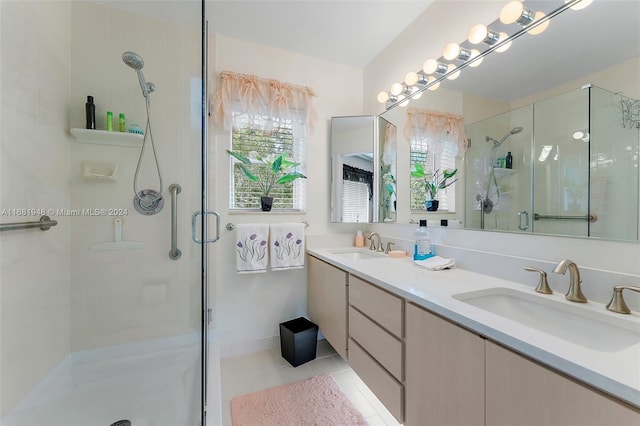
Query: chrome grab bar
{"x": 174, "y": 253}
{"x": 45, "y": 223}
{"x": 589, "y": 217}
{"x": 194, "y": 219}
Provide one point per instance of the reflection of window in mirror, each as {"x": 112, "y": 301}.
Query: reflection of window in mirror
{"x": 357, "y": 189}
{"x": 430, "y": 161}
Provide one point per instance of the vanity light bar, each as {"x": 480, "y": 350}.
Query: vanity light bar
{"x": 496, "y": 41}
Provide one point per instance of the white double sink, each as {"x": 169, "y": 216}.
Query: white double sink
{"x": 600, "y": 331}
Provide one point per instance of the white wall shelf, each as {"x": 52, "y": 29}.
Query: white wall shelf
{"x": 102, "y": 137}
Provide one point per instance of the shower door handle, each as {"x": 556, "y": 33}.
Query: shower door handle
{"x": 526, "y": 221}
{"x": 175, "y": 252}
{"x": 194, "y": 227}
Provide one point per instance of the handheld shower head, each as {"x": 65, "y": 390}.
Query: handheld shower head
{"x": 497, "y": 143}
{"x": 135, "y": 61}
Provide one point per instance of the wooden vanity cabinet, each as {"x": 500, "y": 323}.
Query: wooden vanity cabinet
{"x": 522, "y": 392}
{"x": 444, "y": 372}
{"x": 327, "y": 302}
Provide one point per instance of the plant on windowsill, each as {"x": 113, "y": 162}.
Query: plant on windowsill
{"x": 433, "y": 183}
{"x": 269, "y": 172}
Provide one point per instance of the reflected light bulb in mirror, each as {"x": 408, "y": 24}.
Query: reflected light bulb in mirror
{"x": 505, "y": 46}
{"x": 431, "y": 79}
{"x": 580, "y": 5}
{"x": 451, "y": 51}
{"x": 581, "y": 136}
{"x": 415, "y": 93}
{"x": 540, "y": 28}
{"x": 455, "y": 75}
{"x": 396, "y": 89}
{"x": 411, "y": 78}
{"x": 383, "y": 97}
{"x": 474, "y": 53}
{"x": 405, "y": 102}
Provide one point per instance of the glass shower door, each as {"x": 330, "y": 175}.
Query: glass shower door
{"x": 498, "y": 197}
{"x": 99, "y": 324}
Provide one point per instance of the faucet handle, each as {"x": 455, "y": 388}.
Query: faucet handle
{"x": 617, "y": 303}
{"x": 388, "y": 249}
{"x": 543, "y": 284}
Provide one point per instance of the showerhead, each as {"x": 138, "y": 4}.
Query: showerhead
{"x": 496, "y": 143}
{"x": 135, "y": 61}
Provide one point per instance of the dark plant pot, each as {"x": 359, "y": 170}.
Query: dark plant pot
{"x": 266, "y": 203}
{"x": 432, "y": 205}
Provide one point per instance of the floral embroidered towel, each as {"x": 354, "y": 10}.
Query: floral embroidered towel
{"x": 251, "y": 247}
{"x": 287, "y": 246}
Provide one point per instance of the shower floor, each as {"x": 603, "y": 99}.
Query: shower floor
{"x": 159, "y": 388}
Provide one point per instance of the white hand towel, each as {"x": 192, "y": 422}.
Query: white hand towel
{"x": 435, "y": 263}
{"x": 287, "y": 246}
{"x": 251, "y": 247}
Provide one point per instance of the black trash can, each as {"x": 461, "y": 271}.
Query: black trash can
{"x": 298, "y": 341}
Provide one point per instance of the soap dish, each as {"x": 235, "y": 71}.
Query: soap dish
{"x": 397, "y": 253}
{"x": 100, "y": 170}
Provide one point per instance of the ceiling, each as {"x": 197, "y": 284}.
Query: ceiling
{"x": 351, "y": 32}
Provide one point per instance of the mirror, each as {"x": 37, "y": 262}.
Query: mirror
{"x": 599, "y": 45}
{"x": 363, "y": 169}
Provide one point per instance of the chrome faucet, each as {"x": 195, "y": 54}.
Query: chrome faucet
{"x": 373, "y": 245}
{"x": 574, "y": 294}
{"x": 617, "y": 303}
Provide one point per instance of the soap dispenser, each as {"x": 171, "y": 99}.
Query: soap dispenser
{"x": 359, "y": 240}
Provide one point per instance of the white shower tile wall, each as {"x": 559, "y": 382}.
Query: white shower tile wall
{"x": 34, "y": 164}
{"x": 121, "y": 296}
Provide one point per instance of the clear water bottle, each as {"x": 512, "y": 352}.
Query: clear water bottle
{"x": 422, "y": 247}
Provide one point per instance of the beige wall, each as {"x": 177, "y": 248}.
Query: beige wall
{"x": 251, "y": 306}
{"x": 34, "y": 164}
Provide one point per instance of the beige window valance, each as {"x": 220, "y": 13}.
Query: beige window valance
{"x": 259, "y": 99}
{"x": 438, "y": 128}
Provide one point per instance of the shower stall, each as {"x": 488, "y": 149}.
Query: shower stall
{"x": 574, "y": 170}
{"x": 99, "y": 323}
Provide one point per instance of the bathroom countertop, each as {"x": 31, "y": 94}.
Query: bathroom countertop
{"x": 616, "y": 373}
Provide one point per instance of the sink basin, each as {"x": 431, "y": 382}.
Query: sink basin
{"x": 599, "y": 331}
{"x": 356, "y": 253}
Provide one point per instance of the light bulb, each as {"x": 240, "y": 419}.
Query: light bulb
{"x": 455, "y": 75}
{"x": 383, "y": 97}
{"x": 474, "y": 53}
{"x": 416, "y": 94}
{"x": 511, "y": 12}
{"x": 451, "y": 51}
{"x": 411, "y": 78}
{"x": 396, "y": 89}
{"x": 506, "y": 46}
{"x": 540, "y": 28}
{"x": 580, "y": 5}
{"x": 430, "y": 66}
{"x": 404, "y": 101}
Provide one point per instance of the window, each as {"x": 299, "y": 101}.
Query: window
{"x": 357, "y": 194}
{"x": 266, "y": 136}
{"x": 432, "y": 161}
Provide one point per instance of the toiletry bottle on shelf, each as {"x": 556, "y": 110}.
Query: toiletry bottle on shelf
{"x": 359, "y": 239}
{"x": 121, "y": 123}
{"x": 509, "y": 160}
{"x": 109, "y": 121}
{"x": 422, "y": 247}
{"x": 90, "y": 110}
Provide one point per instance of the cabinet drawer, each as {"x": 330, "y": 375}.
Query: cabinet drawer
{"x": 382, "y": 346}
{"x": 384, "y": 308}
{"x": 381, "y": 383}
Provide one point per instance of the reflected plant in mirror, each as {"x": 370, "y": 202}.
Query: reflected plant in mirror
{"x": 433, "y": 182}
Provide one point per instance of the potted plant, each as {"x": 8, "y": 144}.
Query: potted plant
{"x": 433, "y": 183}
{"x": 268, "y": 172}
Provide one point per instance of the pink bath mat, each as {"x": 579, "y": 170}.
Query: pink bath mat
{"x": 317, "y": 401}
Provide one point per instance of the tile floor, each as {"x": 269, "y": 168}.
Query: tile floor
{"x": 249, "y": 373}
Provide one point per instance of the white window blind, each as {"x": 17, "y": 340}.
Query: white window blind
{"x": 432, "y": 161}
{"x": 282, "y": 136}
{"x": 355, "y": 201}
